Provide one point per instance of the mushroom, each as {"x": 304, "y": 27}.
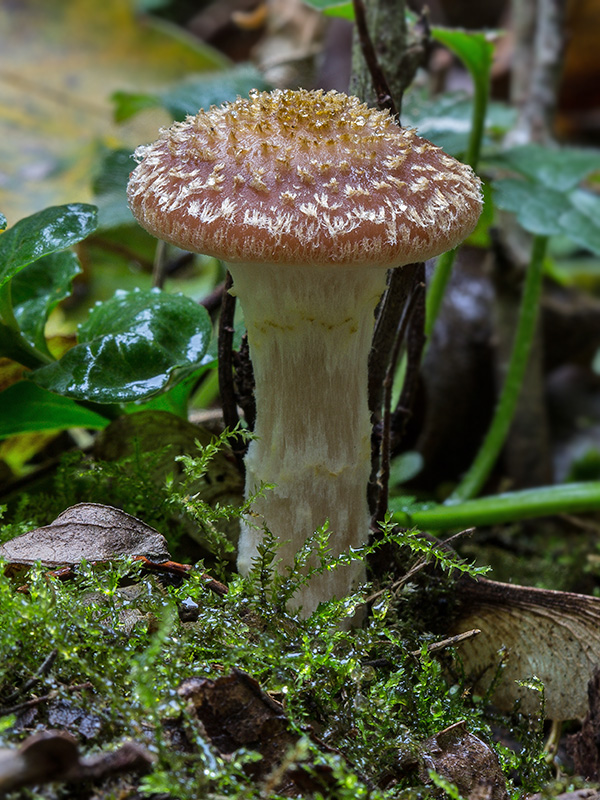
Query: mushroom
{"x": 309, "y": 197}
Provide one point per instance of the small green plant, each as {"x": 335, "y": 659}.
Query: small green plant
{"x": 130, "y": 348}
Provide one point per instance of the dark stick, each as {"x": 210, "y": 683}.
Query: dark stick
{"x": 225, "y": 354}
{"x": 383, "y": 478}
{"x": 414, "y": 350}
{"x": 401, "y": 283}
{"x": 43, "y": 669}
{"x": 385, "y": 101}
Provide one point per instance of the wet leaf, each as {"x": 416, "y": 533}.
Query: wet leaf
{"x": 38, "y": 289}
{"x": 61, "y": 60}
{"x": 130, "y": 347}
{"x": 553, "y": 636}
{"x": 110, "y": 188}
{"x": 89, "y": 531}
{"x": 40, "y": 234}
{"x": 261, "y": 726}
{"x": 25, "y": 407}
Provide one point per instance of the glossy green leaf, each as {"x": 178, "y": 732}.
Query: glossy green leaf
{"x": 52, "y": 229}
{"x": 473, "y": 48}
{"x": 333, "y": 8}
{"x": 38, "y": 288}
{"x": 175, "y": 400}
{"x": 13, "y": 345}
{"x": 131, "y": 347}
{"x": 561, "y": 168}
{"x": 538, "y": 208}
{"x": 3, "y": 222}
{"x": 25, "y": 407}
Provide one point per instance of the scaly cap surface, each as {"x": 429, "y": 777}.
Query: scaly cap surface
{"x": 296, "y": 177}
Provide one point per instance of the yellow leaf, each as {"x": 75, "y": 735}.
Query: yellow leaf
{"x": 60, "y": 62}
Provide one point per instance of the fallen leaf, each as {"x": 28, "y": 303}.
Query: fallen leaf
{"x": 61, "y": 61}
{"x": 236, "y": 713}
{"x": 54, "y": 756}
{"x": 466, "y": 761}
{"x": 89, "y": 531}
{"x": 550, "y": 635}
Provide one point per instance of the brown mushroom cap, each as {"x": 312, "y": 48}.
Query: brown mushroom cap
{"x": 299, "y": 177}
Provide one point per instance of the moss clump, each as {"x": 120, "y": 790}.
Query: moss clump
{"x": 119, "y": 651}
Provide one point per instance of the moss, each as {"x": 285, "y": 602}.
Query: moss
{"x": 120, "y": 652}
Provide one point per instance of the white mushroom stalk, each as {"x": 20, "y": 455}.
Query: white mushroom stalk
{"x": 309, "y": 198}
{"x": 309, "y": 344}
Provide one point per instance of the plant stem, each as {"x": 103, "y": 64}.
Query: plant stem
{"x": 437, "y": 289}
{"x": 569, "y": 498}
{"x": 443, "y": 267}
{"x": 481, "y": 467}
{"x": 480, "y": 100}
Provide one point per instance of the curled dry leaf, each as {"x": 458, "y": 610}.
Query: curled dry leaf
{"x": 465, "y": 760}
{"x": 54, "y": 756}
{"x": 235, "y": 712}
{"x": 554, "y": 636}
{"x": 89, "y": 531}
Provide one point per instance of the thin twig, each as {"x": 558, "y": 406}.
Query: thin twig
{"x": 213, "y": 300}
{"x": 388, "y": 383}
{"x": 385, "y": 101}
{"x": 35, "y": 701}
{"x": 449, "y": 642}
{"x": 401, "y": 283}
{"x": 42, "y": 670}
{"x": 414, "y": 350}
{"x": 225, "y": 369}
{"x": 158, "y": 267}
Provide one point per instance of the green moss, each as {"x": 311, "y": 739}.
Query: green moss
{"x": 373, "y": 694}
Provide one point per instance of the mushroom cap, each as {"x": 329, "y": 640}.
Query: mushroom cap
{"x": 303, "y": 177}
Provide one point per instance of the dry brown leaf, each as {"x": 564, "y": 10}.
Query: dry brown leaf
{"x": 554, "y": 636}
{"x": 89, "y": 531}
{"x": 60, "y": 62}
{"x": 465, "y": 760}
{"x": 54, "y": 756}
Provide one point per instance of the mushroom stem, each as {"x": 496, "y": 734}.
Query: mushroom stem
{"x": 309, "y": 332}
